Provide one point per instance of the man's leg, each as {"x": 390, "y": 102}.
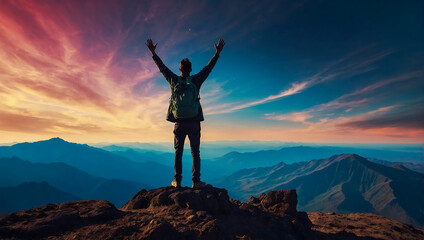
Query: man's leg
{"x": 179, "y": 137}
{"x": 194, "y": 136}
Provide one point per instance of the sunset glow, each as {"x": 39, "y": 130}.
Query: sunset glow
{"x": 79, "y": 70}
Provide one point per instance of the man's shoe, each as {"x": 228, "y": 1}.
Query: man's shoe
{"x": 198, "y": 184}
{"x": 176, "y": 183}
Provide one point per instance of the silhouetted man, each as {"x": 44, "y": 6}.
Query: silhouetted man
{"x": 185, "y": 110}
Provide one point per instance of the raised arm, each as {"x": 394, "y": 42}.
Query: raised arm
{"x": 151, "y": 47}
{"x": 219, "y": 47}
{"x": 204, "y": 73}
{"x": 168, "y": 74}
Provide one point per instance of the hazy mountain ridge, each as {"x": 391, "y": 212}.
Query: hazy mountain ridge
{"x": 237, "y": 160}
{"x": 14, "y": 171}
{"x": 94, "y": 161}
{"x": 139, "y": 155}
{"x": 414, "y": 166}
{"x": 30, "y": 195}
{"x": 217, "y": 149}
{"x": 343, "y": 183}
{"x": 209, "y": 149}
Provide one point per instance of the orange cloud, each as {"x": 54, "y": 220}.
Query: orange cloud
{"x": 61, "y": 72}
{"x": 293, "y": 117}
{"x": 73, "y": 69}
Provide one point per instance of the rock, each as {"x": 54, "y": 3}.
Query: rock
{"x": 185, "y": 213}
{"x": 160, "y": 230}
{"x": 53, "y": 219}
{"x": 281, "y": 202}
{"x": 361, "y": 226}
{"x": 209, "y": 199}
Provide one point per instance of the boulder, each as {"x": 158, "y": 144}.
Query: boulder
{"x": 53, "y": 219}
{"x": 281, "y": 202}
{"x": 208, "y": 199}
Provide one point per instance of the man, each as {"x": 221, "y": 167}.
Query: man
{"x": 185, "y": 110}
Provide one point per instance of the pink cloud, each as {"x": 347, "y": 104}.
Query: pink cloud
{"x": 293, "y": 117}
{"x": 69, "y": 56}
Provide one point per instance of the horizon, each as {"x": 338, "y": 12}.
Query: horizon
{"x": 310, "y": 72}
{"x": 273, "y": 144}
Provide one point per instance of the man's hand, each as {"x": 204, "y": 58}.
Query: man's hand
{"x": 220, "y": 46}
{"x": 149, "y": 44}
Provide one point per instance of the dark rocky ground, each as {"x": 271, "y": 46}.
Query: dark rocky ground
{"x": 361, "y": 226}
{"x": 185, "y": 213}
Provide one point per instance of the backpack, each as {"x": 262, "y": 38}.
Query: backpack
{"x": 185, "y": 99}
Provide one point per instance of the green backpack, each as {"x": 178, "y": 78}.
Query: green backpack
{"x": 185, "y": 99}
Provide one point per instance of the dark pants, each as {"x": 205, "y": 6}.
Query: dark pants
{"x": 181, "y": 130}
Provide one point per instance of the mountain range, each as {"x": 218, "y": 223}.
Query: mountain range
{"x": 14, "y": 171}
{"x": 342, "y": 183}
{"x": 30, "y": 195}
{"x": 414, "y": 166}
{"x": 77, "y": 170}
{"x": 209, "y": 150}
{"x": 234, "y": 161}
{"x": 141, "y": 155}
{"x": 94, "y": 161}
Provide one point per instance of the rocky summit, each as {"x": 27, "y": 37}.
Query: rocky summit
{"x": 178, "y": 213}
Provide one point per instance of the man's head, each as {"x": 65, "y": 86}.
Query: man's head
{"x": 185, "y": 67}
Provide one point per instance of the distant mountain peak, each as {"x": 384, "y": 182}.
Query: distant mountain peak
{"x": 344, "y": 156}
{"x": 56, "y": 139}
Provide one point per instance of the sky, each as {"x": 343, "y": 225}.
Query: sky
{"x": 291, "y": 71}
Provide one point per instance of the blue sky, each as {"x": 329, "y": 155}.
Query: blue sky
{"x": 311, "y": 71}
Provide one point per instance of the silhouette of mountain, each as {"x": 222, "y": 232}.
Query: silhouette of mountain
{"x": 69, "y": 179}
{"x": 29, "y": 195}
{"x": 342, "y": 183}
{"x": 208, "y": 213}
{"x": 124, "y": 148}
{"x": 143, "y": 147}
{"x": 143, "y": 156}
{"x": 209, "y": 150}
{"x": 414, "y": 166}
{"x": 235, "y": 161}
{"x": 92, "y": 160}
